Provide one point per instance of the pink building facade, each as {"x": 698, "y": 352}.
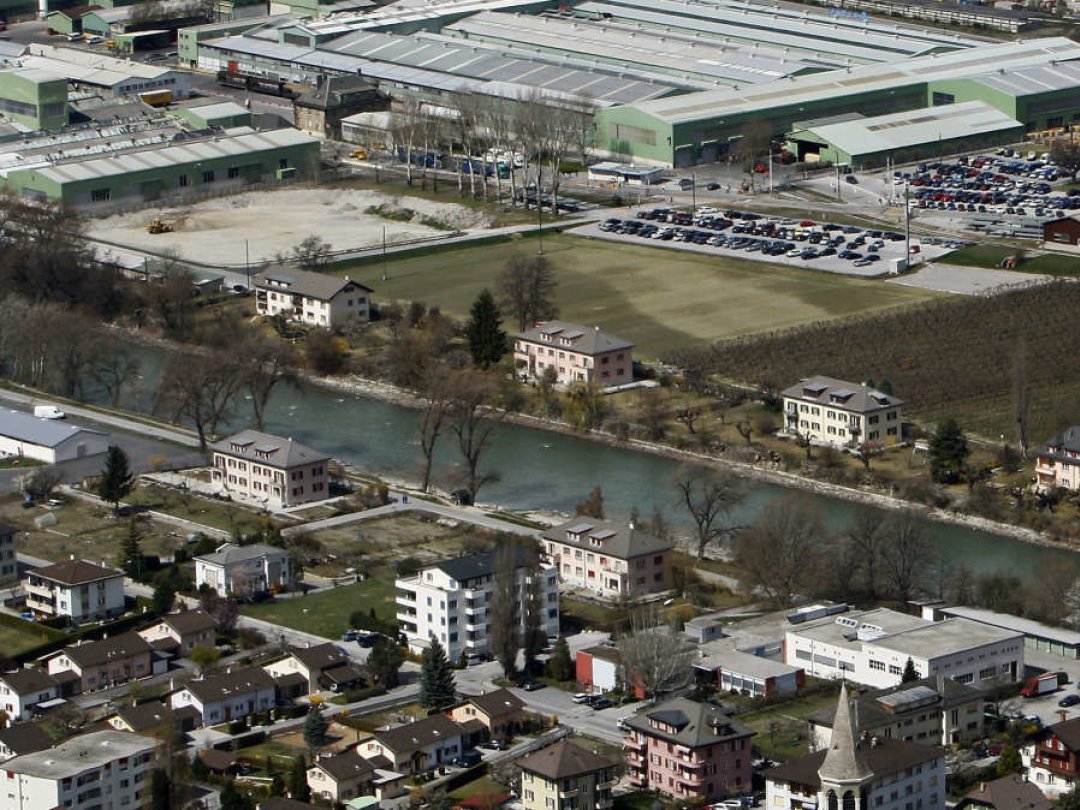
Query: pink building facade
{"x": 608, "y": 558}
{"x": 574, "y": 353}
{"x": 1057, "y": 464}
{"x": 689, "y": 751}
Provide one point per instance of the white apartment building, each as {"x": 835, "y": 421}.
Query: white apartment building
{"x": 573, "y": 353}
{"x": 103, "y": 770}
{"x": 873, "y": 647}
{"x": 316, "y": 299}
{"x": 75, "y": 588}
{"x": 270, "y": 471}
{"x": 245, "y": 571}
{"x": 449, "y": 601}
{"x": 610, "y": 559}
{"x": 856, "y": 773}
{"x": 9, "y": 569}
{"x": 23, "y": 690}
{"x": 842, "y": 414}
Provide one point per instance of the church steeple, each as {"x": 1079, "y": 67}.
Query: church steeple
{"x": 845, "y": 763}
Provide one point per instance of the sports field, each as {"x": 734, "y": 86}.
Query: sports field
{"x": 660, "y": 299}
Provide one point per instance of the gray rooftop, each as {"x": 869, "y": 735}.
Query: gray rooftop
{"x": 1068, "y": 439}
{"x": 304, "y": 282}
{"x": 846, "y": 628}
{"x": 883, "y": 706}
{"x": 735, "y": 662}
{"x": 43, "y": 432}
{"x": 689, "y": 723}
{"x": 846, "y": 396}
{"x": 229, "y": 554}
{"x": 606, "y": 537}
{"x": 1015, "y": 624}
{"x": 268, "y": 449}
{"x": 79, "y": 754}
{"x": 572, "y": 336}
{"x": 944, "y": 638}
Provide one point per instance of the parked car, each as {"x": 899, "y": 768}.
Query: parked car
{"x": 602, "y": 703}
{"x": 532, "y": 686}
{"x": 581, "y": 697}
{"x": 468, "y": 759}
{"x": 1069, "y": 700}
{"x": 494, "y": 745}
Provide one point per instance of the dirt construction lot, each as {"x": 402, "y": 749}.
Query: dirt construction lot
{"x": 265, "y": 223}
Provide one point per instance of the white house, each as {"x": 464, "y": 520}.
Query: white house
{"x": 316, "y": 299}
{"x": 227, "y": 696}
{"x": 854, "y": 773}
{"x": 104, "y": 663}
{"x": 23, "y": 690}
{"x": 417, "y": 747}
{"x": 270, "y": 471}
{"x": 309, "y": 663}
{"x": 81, "y": 590}
{"x": 449, "y": 601}
{"x": 48, "y": 440}
{"x": 842, "y": 414}
{"x": 181, "y": 631}
{"x": 107, "y": 769}
{"x": 245, "y": 571}
{"x": 873, "y": 647}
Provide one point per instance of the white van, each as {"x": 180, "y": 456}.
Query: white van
{"x": 48, "y": 412}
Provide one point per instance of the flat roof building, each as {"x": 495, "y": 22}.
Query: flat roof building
{"x": 1037, "y": 636}
{"x": 48, "y": 440}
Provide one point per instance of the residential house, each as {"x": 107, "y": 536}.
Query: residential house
{"x": 567, "y": 777}
{"x": 180, "y": 631}
{"x": 227, "y": 696}
{"x": 245, "y": 571}
{"x": 501, "y": 711}
{"x": 270, "y": 471}
{"x": 23, "y": 738}
{"x": 1057, "y": 463}
{"x": 104, "y": 663}
{"x": 80, "y": 590}
{"x": 836, "y": 413}
{"x": 320, "y": 111}
{"x": 570, "y": 353}
{"x": 148, "y": 717}
{"x": 314, "y": 299}
{"x": 689, "y": 751}
{"x": 1051, "y": 757}
{"x": 47, "y": 440}
{"x": 106, "y": 769}
{"x": 420, "y": 746}
{"x": 9, "y": 568}
{"x": 346, "y": 775}
{"x": 931, "y": 711}
{"x": 449, "y": 601}
{"x": 1011, "y": 792}
{"x": 22, "y": 691}
{"x": 873, "y": 647}
{"x": 612, "y": 560}
{"x": 860, "y": 773}
{"x": 311, "y": 664}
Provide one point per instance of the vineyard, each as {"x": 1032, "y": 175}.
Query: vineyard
{"x": 959, "y": 357}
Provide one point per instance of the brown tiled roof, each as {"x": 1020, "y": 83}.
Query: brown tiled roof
{"x": 414, "y": 736}
{"x": 75, "y": 572}
{"x": 25, "y": 738}
{"x": 143, "y": 717}
{"x": 289, "y": 679}
{"x": 217, "y": 760}
{"x": 320, "y": 657}
{"x": 1007, "y": 793}
{"x": 26, "y": 681}
{"x": 583, "y": 339}
{"x": 615, "y": 539}
{"x": 346, "y": 765}
{"x": 190, "y": 621}
{"x": 238, "y": 682}
{"x": 563, "y": 760}
{"x": 344, "y": 674}
{"x": 1068, "y": 732}
{"x": 93, "y": 653}
{"x": 885, "y": 758}
{"x": 497, "y": 703}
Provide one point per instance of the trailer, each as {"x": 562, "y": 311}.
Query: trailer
{"x": 1040, "y": 685}
{"x": 256, "y": 84}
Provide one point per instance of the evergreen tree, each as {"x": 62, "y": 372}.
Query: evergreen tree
{"x": 277, "y": 785}
{"x": 131, "y": 556}
{"x": 199, "y": 771}
{"x": 315, "y": 727}
{"x": 487, "y": 340}
{"x": 233, "y": 799}
{"x": 1009, "y": 762}
{"x": 560, "y": 667}
{"x": 385, "y": 660}
{"x": 948, "y": 452}
{"x": 164, "y": 596}
{"x": 116, "y": 479}
{"x": 298, "y": 786}
{"x": 910, "y": 673}
{"x": 160, "y": 790}
{"x": 437, "y": 687}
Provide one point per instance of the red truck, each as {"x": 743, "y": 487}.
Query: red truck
{"x": 1040, "y": 685}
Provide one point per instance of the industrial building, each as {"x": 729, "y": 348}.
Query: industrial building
{"x": 46, "y": 440}
{"x": 102, "y": 74}
{"x": 33, "y": 98}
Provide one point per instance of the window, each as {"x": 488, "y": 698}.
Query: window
{"x": 234, "y": 172}
{"x": 182, "y": 181}
{"x": 100, "y": 195}
{"x": 208, "y": 176}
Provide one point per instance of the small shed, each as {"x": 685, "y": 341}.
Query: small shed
{"x": 1064, "y": 232}
{"x": 68, "y": 20}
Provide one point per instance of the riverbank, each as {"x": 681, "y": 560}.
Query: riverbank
{"x": 375, "y": 389}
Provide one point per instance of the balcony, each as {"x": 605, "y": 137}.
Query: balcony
{"x": 691, "y": 780}
{"x": 631, "y": 743}
{"x": 633, "y": 758}
{"x": 569, "y": 794}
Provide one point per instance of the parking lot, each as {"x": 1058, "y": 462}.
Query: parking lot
{"x": 825, "y": 246}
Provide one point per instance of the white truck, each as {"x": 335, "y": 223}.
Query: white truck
{"x": 48, "y": 412}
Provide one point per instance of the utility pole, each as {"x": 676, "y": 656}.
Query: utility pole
{"x": 384, "y": 253}
{"x": 770, "y": 172}
{"x": 247, "y": 263}
{"x": 540, "y": 219}
{"x": 693, "y": 189}
{"x": 907, "y": 229}
{"x": 838, "y": 197}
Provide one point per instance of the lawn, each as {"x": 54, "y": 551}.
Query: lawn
{"x": 209, "y": 512}
{"x": 992, "y": 255}
{"x": 661, "y": 299}
{"x": 326, "y": 613}
{"x": 14, "y": 640}
{"x": 782, "y": 729}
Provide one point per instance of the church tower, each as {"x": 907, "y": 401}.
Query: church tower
{"x": 845, "y": 776}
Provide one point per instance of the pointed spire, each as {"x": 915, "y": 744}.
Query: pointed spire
{"x": 844, "y": 762}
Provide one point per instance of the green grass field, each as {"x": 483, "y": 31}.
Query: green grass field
{"x": 14, "y": 640}
{"x": 327, "y": 612}
{"x": 992, "y": 255}
{"x": 660, "y": 299}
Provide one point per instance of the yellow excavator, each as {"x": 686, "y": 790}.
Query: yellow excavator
{"x": 158, "y": 225}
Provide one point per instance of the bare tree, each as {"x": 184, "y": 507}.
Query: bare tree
{"x": 438, "y": 401}
{"x": 504, "y": 609}
{"x": 472, "y": 424}
{"x": 312, "y": 253}
{"x": 709, "y": 497}
{"x": 867, "y": 537}
{"x": 200, "y": 388}
{"x": 39, "y": 482}
{"x": 653, "y": 657}
{"x": 114, "y": 369}
{"x": 527, "y": 290}
{"x": 754, "y": 141}
{"x": 907, "y": 554}
{"x": 265, "y": 363}
{"x": 1021, "y": 391}
{"x": 780, "y": 552}
{"x": 560, "y": 134}
{"x": 406, "y": 127}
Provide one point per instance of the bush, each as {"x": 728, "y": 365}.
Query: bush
{"x": 408, "y": 567}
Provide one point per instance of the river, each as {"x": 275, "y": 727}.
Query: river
{"x": 552, "y": 471}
